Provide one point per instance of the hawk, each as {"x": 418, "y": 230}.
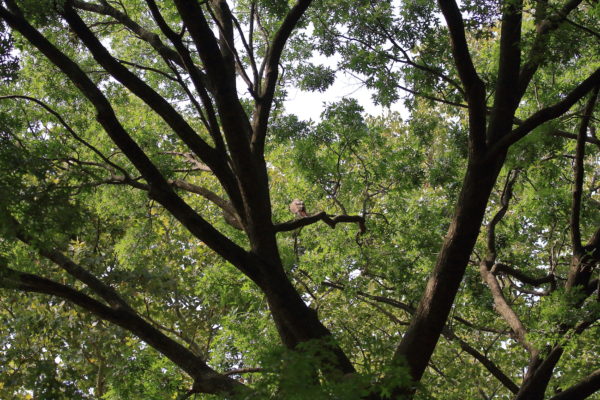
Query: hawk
{"x": 298, "y": 209}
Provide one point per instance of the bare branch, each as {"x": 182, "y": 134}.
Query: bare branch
{"x": 332, "y": 221}
{"x": 545, "y": 114}
{"x": 500, "y": 268}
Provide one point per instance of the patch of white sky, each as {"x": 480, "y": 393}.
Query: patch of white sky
{"x": 309, "y": 105}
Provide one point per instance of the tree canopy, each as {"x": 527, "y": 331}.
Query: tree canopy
{"x": 148, "y": 162}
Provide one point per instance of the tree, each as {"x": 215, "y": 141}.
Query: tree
{"x": 142, "y": 176}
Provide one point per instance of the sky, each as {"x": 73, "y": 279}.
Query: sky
{"x": 309, "y": 105}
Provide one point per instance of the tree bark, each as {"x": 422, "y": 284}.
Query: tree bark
{"x": 418, "y": 343}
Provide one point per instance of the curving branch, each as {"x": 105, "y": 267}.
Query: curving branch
{"x": 581, "y": 390}
{"x": 507, "y": 192}
{"x": 505, "y": 310}
{"x": 485, "y": 269}
{"x": 499, "y": 268}
{"x": 229, "y": 212}
{"x": 205, "y": 378}
{"x": 330, "y": 220}
{"x": 189, "y": 157}
{"x": 545, "y": 114}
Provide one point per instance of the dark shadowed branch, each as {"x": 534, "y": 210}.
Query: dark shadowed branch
{"x": 546, "y": 114}
{"x": 581, "y": 390}
{"x": 330, "y": 220}
{"x": 206, "y": 380}
{"x": 578, "y": 172}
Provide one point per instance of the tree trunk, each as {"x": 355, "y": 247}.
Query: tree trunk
{"x": 418, "y": 343}
{"x": 295, "y": 321}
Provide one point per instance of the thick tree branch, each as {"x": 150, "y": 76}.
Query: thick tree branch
{"x": 198, "y": 78}
{"x": 506, "y": 99}
{"x": 205, "y": 379}
{"x": 578, "y": 172}
{"x": 499, "y": 268}
{"x": 545, "y": 114}
{"x": 250, "y": 169}
{"x": 473, "y": 85}
{"x": 224, "y": 19}
{"x": 180, "y": 57}
{"x": 537, "y": 55}
{"x": 581, "y": 390}
{"x": 150, "y": 37}
{"x": 156, "y": 102}
{"x": 271, "y": 74}
{"x": 216, "y": 68}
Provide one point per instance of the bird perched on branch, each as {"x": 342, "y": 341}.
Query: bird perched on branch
{"x": 298, "y": 209}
